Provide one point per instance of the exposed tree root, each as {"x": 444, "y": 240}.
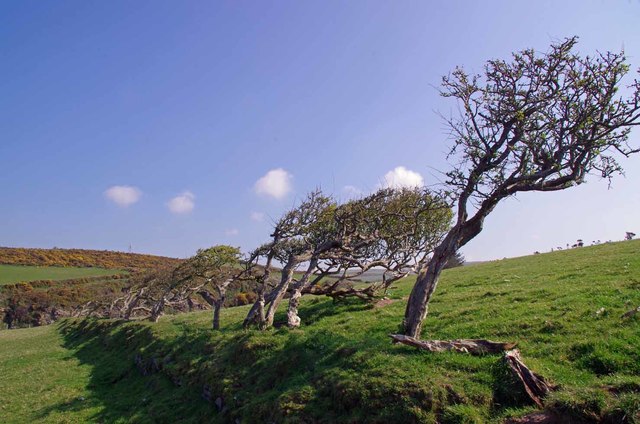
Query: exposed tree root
{"x": 536, "y": 387}
{"x": 472, "y": 346}
{"x": 534, "y": 384}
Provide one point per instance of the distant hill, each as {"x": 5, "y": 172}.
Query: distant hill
{"x": 82, "y": 258}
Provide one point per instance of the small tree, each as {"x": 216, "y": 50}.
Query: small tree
{"x": 218, "y": 267}
{"x": 151, "y": 292}
{"x": 540, "y": 122}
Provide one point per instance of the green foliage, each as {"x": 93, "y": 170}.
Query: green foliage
{"x": 212, "y": 260}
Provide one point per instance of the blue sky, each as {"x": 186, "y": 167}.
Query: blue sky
{"x": 151, "y": 123}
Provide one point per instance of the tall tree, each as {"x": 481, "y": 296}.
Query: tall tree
{"x": 539, "y": 122}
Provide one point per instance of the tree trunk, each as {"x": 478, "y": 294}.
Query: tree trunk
{"x": 216, "y": 314}
{"x": 158, "y": 310}
{"x": 133, "y": 304}
{"x": 216, "y": 304}
{"x": 427, "y": 280}
{"x": 279, "y": 292}
{"x": 254, "y": 315}
{"x": 222, "y": 295}
{"x": 260, "y": 311}
{"x": 293, "y": 320}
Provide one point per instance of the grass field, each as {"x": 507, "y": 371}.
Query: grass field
{"x": 18, "y": 273}
{"x": 563, "y": 309}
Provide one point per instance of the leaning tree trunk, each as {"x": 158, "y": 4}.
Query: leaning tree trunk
{"x": 256, "y": 313}
{"x": 133, "y": 304}
{"x": 158, "y": 310}
{"x": 293, "y": 320}
{"x": 418, "y": 303}
{"x": 279, "y": 292}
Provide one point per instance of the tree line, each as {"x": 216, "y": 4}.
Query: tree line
{"x": 537, "y": 122}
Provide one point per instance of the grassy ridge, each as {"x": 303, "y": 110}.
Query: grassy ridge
{"x": 18, "y": 273}
{"x": 564, "y": 310}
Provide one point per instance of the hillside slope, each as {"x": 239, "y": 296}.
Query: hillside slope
{"x": 38, "y": 286}
{"x": 82, "y": 258}
{"x": 563, "y": 309}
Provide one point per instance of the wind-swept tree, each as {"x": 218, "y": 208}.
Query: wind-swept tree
{"x": 141, "y": 293}
{"x": 299, "y": 236}
{"x": 539, "y": 122}
{"x": 217, "y": 267}
{"x": 392, "y": 230}
{"x": 209, "y": 269}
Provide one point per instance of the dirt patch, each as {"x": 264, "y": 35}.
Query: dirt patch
{"x": 383, "y": 302}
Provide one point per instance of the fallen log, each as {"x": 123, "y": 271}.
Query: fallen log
{"x": 534, "y": 384}
{"x": 471, "y": 346}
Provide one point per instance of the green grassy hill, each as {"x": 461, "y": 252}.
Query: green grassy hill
{"x": 21, "y": 273}
{"x": 563, "y": 309}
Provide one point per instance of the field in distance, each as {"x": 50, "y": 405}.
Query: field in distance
{"x": 10, "y": 274}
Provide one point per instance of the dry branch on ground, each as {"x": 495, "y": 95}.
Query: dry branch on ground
{"x": 471, "y": 346}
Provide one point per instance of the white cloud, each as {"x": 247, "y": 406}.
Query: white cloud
{"x": 401, "y": 177}
{"x": 123, "y": 195}
{"x": 257, "y": 216}
{"x": 232, "y": 232}
{"x": 183, "y": 203}
{"x": 275, "y": 183}
{"x": 351, "y": 191}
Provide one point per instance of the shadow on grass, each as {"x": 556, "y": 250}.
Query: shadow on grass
{"x": 259, "y": 376}
{"x": 118, "y": 392}
{"x": 143, "y": 372}
{"x": 158, "y": 373}
{"x": 319, "y": 308}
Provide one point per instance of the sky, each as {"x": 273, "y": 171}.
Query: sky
{"x": 171, "y": 126}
